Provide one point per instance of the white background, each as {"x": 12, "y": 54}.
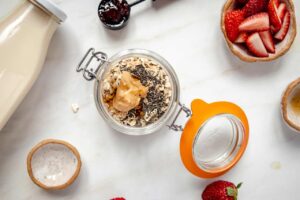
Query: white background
{"x": 188, "y": 35}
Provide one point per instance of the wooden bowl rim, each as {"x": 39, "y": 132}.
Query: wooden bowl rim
{"x": 53, "y": 141}
{"x": 284, "y": 104}
{"x": 248, "y": 58}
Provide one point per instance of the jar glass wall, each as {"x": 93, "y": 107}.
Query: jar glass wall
{"x": 217, "y": 142}
{"x": 98, "y": 89}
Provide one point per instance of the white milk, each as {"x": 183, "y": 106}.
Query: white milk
{"x": 24, "y": 38}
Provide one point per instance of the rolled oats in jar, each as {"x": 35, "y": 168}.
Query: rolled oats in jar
{"x": 146, "y": 75}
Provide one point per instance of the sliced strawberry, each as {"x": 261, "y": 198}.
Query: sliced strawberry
{"x": 267, "y": 39}
{"x": 256, "y": 45}
{"x": 255, "y": 6}
{"x": 281, "y": 11}
{"x": 280, "y": 35}
{"x": 274, "y": 18}
{"x": 241, "y": 2}
{"x": 241, "y": 38}
{"x": 232, "y": 21}
{"x": 272, "y": 29}
{"x": 258, "y": 22}
{"x": 276, "y": 2}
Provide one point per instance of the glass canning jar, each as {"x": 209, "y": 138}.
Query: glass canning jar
{"x": 215, "y": 135}
{"x": 104, "y": 67}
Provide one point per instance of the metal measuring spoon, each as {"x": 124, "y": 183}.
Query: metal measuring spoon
{"x": 114, "y": 14}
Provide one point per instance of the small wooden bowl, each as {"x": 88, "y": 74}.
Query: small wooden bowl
{"x": 53, "y": 164}
{"x": 281, "y": 48}
{"x": 290, "y": 114}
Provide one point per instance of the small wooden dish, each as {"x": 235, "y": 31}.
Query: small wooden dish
{"x": 53, "y": 164}
{"x": 281, "y": 48}
{"x": 290, "y": 113}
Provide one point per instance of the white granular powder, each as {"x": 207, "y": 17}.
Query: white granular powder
{"x": 53, "y": 164}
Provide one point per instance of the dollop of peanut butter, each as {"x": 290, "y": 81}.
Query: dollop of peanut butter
{"x": 129, "y": 93}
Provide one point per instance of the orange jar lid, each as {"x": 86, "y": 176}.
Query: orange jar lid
{"x": 214, "y": 138}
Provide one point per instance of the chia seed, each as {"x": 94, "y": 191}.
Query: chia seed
{"x": 151, "y": 75}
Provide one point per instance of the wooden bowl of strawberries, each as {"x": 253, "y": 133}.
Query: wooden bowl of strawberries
{"x": 259, "y": 30}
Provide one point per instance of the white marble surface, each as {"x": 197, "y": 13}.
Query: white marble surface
{"x": 187, "y": 34}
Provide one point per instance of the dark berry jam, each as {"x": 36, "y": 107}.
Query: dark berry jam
{"x": 114, "y": 13}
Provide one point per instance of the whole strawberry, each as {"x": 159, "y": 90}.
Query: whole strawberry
{"x": 118, "y": 198}
{"x": 233, "y": 19}
{"x": 221, "y": 190}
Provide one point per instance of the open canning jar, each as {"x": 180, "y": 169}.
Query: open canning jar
{"x": 103, "y": 68}
{"x": 215, "y": 135}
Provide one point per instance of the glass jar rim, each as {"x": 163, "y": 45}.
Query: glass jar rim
{"x": 226, "y": 158}
{"x": 202, "y": 112}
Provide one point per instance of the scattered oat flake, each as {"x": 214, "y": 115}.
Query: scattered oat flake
{"x": 75, "y": 107}
{"x": 276, "y": 165}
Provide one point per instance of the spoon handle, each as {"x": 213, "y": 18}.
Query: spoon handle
{"x": 136, "y": 2}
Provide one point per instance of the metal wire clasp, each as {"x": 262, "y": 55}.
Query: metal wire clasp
{"x": 90, "y": 73}
{"x": 188, "y": 113}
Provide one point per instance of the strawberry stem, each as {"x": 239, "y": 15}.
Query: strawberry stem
{"x": 232, "y": 192}
{"x": 239, "y": 185}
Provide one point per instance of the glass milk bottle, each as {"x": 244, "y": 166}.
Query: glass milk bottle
{"x": 25, "y": 35}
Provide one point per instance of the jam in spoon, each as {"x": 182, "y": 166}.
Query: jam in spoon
{"x": 114, "y": 14}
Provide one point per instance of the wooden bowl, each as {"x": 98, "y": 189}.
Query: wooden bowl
{"x": 290, "y": 105}
{"x": 53, "y": 164}
{"x": 281, "y": 48}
